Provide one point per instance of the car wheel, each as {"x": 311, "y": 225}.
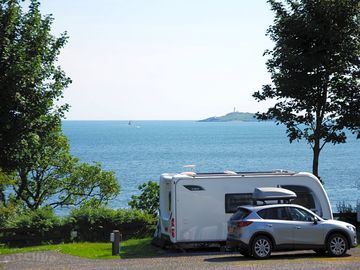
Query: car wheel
{"x": 337, "y": 245}
{"x": 261, "y": 247}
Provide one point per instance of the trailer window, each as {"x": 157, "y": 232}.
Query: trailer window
{"x": 304, "y": 196}
{"x": 234, "y": 200}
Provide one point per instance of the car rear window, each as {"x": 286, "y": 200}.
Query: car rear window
{"x": 279, "y": 213}
{"x": 241, "y": 213}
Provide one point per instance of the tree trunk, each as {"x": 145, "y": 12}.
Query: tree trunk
{"x": 316, "y": 151}
{"x": 22, "y": 185}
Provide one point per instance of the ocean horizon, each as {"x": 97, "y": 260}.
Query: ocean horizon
{"x": 140, "y": 150}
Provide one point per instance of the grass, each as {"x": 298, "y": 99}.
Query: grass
{"x": 139, "y": 248}
{"x": 133, "y": 248}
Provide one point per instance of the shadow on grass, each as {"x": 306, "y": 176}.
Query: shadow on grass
{"x": 141, "y": 248}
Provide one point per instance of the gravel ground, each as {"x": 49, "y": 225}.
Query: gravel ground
{"x": 304, "y": 260}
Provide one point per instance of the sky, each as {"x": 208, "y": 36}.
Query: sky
{"x": 162, "y": 59}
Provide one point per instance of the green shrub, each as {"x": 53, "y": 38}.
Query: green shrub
{"x": 347, "y": 213}
{"x": 90, "y": 222}
{"x": 42, "y": 219}
{"x": 343, "y": 207}
{"x": 148, "y": 200}
{"x": 32, "y": 227}
{"x": 7, "y": 213}
{"x": 96, "y": 223}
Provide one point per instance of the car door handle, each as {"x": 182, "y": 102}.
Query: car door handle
{"x": 269, "y": 225}
{"x": 298, "y": 227}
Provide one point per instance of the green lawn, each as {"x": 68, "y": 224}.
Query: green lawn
{"x": 134, "y": 248}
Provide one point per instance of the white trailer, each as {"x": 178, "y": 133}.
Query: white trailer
{"x": 195, "y": 207}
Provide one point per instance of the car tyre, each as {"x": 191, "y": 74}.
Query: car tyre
{"x": 337, "y": 245}
{"x": 261, "y": 247}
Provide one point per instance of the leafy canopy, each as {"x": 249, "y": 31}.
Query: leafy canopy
{"x": 148, "y": 200}
{"x": 36, "y": 167}
{"x": 315, "y": 70}
{"x": 30, "y": 82}
{"x": 55, "y": 178}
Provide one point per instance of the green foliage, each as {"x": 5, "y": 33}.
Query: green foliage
{"x": 148, "y": 200}
{"x": 343, "y": 207}
{"x": 5, "y": 180}
{"x": 7, "y": 213}
{"x": 54, "y": 178}
{"x": 34, "y": 154}
{"x": 30, "y": 82}
{"x": 347, "y": 213}
{"x": 315, "y": 69}
{"x": 25, "y": 227}
{"x": 41, "y": 220}
{"x": 96, "y": 223}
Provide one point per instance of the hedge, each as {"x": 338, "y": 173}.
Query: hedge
{"x": 28, "y": 227}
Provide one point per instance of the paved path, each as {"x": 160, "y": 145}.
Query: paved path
{"x": 304, "y": 260}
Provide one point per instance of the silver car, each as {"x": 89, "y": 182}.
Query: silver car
{"x": 258, "y": 230}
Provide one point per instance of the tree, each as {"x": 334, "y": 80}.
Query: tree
{"x": 35, "y": 160}
{"x": 30, "y": 81}
{"x": 315, "y": 71}
{"x": 148, "y": 200}
{"x": 52, "y": 177}
{"x": 5, "y": 181}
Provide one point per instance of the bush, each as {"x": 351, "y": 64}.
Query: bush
{"x": 347, "y": 213}
{"x": 88, "y": 223}
{"x": 148, "y": 200}
{"x": 96, "y": 223}
{"x": 7, "y": 213}
{"x": 342, "y": 207}
{"x": 42, "y": 219}
{"x": 32, "y": 227}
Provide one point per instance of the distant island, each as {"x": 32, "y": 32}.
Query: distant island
{"x": 233, "y": 116}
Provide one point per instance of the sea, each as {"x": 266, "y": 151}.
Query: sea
{"x": 139, "y": 151}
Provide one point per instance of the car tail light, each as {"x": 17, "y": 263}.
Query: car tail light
{"x": 244, "y": 223}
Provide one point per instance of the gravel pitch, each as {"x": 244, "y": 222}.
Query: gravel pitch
{"x": 304, "y": 260}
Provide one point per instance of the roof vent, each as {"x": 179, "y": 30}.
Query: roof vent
{"x": 192, "y": 174}
{"x": 230, "y": 172}
{"x": 282, "y": 171}
{"x": 190, "y": 166}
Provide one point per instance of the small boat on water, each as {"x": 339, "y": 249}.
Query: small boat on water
{"x": 131, "y": 124}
